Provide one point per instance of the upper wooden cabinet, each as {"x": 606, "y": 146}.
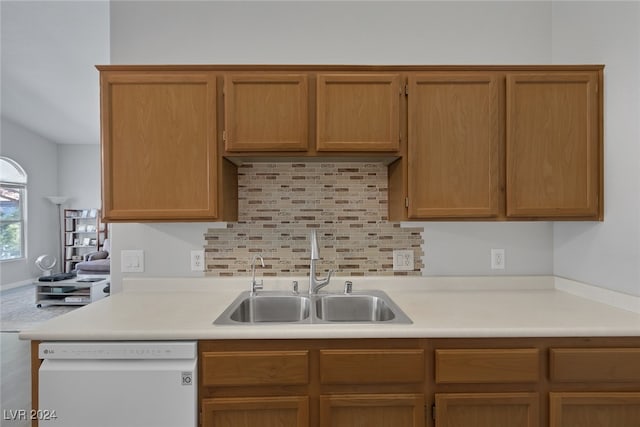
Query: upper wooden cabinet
{"x": 159, "y": 154}
{"x": 503, "y": 144}
{"x": 553, "y": 145}
{"x": 355, "y": 112}
{"x": 465, "y": 143}
{"x": 454, "y": 145}
{"x": 265, "y": 112}
{"x": 358, "y": 112}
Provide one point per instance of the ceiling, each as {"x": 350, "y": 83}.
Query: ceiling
{"x": 49, "y": 82}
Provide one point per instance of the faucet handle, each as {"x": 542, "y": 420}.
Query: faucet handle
{"x": 294, "y": 286}
{"x": 329, "y": 275}
{"x": 257, "y": 286}
{"x": 348, "y": 287}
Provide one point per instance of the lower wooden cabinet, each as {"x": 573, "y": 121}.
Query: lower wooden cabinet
{"x": 280, "y": 411}
{"x": 595, "y": 409}
{"x": 380, "y": 410}
{"x": 487, "y": 409}
{"x": 430, "y": 382}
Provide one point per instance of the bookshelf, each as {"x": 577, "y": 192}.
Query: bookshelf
{"x": 83, "y": 233}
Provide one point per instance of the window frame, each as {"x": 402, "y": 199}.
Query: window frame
{"x": 21, "y": 188}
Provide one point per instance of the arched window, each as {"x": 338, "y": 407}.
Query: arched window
{"x": 13, "y": 192}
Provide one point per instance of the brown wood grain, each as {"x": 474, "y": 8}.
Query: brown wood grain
{"x": 595, "y": 364}
{"x": 255, "y": 368}
{"x": 358, "y": 112}
{"x": 455, "y": 137}
{"x": 487, "y": 366}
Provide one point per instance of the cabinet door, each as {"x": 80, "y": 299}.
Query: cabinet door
{"x": 487, "y": 409}
{"x": 358, "y": 112}
{"x": 266, "y": 112}
{"x": 158, "y": 145}
{"x": 553, "y": 145}
{"x": 454, "y": 145}
{"x": 288, "y": 411}
{"x": 607, "y": 409}
{"x": 380, "y": 410}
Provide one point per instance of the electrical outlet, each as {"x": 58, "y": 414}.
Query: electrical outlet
{"x": 403, "y": 260}
{"x": 197, "y": 260}
{"x": 497, "y": 259}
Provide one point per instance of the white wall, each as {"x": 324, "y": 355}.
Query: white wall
{"x": 79, "y": 174}
{"x": 50, "y": 96}
{"x": 53, "y": 170}
{"x": 39, "y": 158}
{"x": 464, "y": 248}
{"x": 333, "y": 33}
{"x": 606, "y": 254}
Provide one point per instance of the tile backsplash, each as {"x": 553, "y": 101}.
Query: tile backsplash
{"x": 279, "y": 204}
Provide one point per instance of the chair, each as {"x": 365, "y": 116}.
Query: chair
{"x": 98, "y": 262}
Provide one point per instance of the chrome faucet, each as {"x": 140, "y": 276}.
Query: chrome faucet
{"x": 255, "y": 286}
{"x": 316, "y": 284}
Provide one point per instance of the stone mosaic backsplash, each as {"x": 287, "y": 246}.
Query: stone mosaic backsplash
{"x": 280, "y": 203}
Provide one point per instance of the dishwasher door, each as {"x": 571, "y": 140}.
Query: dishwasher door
{"x": 117, "y": 385}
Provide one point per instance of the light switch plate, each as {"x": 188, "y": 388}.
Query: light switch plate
{"x": 403, "y": 260}
{"x": 132, "y": 261}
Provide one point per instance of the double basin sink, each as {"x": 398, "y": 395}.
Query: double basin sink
{"x": 271, "y": 307}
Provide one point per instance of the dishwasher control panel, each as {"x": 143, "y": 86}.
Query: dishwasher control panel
{"x": 118, "y": 350}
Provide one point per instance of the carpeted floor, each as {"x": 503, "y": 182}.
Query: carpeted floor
{"x": 18, "y": 309}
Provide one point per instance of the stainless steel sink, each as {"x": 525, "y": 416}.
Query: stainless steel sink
{"x": 353, "y": 308}
{"x": 266, "y": 307}
{"x": 269, "y": 307}
{"x": 365, "y": 307}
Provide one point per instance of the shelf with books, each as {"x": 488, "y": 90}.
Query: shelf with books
{"x": 83, "y": 233}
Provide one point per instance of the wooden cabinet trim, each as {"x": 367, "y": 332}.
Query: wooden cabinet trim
{"x": 594, "y": 365}
{"x": 474, "y": 366}
{"x": 231, "y": 368}
{"x": 355, "y": 366}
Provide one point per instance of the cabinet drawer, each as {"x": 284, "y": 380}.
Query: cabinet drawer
{"x": 479, "y": 366}
{"x": 372, "y": 366}
{"x": 595, "y": 364}
{"x": 255, "y": 368}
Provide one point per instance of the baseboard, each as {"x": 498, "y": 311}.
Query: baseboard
{"x": 606, "y": 296}
{"x": 14, "y": 285}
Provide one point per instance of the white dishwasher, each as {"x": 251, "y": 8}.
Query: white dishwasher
{"x": 118, "y": 384}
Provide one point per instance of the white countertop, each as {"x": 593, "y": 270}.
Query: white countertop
{"x": 184, "y": 308}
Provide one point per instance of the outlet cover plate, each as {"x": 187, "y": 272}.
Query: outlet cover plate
{"x": 497, "y": 259}
{"x": 197, "y": 260}
{"x": 403, "y": 260}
